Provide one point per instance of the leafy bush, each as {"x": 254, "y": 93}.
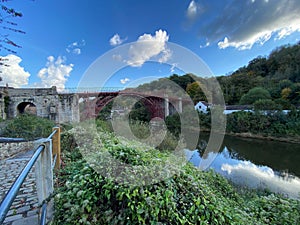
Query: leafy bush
{"x": 29, "y": 127}
{"x": 188, "y": 196}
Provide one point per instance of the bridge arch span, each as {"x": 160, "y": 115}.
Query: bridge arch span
{"x": 27, "y": 107}
{"x": 92, "y": 107}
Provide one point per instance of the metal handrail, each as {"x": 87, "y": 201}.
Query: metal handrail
{"x": 54, "y": 161}
{"x": 43, "y": 214}
{"x": 14, "y": 189}
{"x": 51, "y": 135}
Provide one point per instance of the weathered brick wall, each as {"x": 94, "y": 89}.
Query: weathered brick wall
{"x": 8, "y": 149}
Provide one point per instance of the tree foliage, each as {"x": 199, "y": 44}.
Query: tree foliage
{"x": 253, "y": 95}
{"x": 278, "y": 74}
{"x": 195, "y": 92}
{"x": 266, "y": 104}
{"x": 280, "y": 70}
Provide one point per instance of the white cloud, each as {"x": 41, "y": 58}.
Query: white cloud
{"x": 125, "y": 80}
{"x": 192, "y": 10}
{"x": 77, "y": 51}
{"x": 55, "y": 73}
{"x": 13, "y": 74}
{"x": 166, "y": 54}
{"x": 116, "y": 40}
{"x": 260, "y": 38}
{"x": 206, "y": 45}
{"x": 148, "y": 46}
{"x": 75, "y": 47}
{"x": 172, "y": 69}
{"x": 241, "y": 24}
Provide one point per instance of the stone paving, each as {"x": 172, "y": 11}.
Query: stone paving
{"x": 24, "y": 209}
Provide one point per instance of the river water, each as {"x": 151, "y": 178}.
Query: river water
{"x": 254, "y": 163}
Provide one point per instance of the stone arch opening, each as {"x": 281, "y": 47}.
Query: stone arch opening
{"x": 27, "y": 107}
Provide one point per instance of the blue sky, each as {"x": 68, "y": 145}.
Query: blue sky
{"x": 63, "y": 38}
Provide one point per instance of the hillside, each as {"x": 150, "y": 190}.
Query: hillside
{"x": 278, "y": 74}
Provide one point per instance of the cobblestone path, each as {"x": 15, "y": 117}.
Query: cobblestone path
{"x": 25, "y": 207}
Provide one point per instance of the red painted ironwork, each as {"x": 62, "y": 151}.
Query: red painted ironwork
{"x": 94, "y": 102}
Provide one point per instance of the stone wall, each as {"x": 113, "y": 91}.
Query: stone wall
{"x": 68, "y": 108}
{"x": 47, "y": 103}
{"x": 29, "y": 92}
{"x": 2, "y": 105}
{"x": 8, "y": 149}
{"x": 42, "y": 98}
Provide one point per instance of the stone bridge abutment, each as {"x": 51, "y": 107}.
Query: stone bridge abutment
{"x": 43, "y": 102}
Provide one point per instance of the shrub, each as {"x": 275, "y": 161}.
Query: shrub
{"x": 29, "y": 127}
{"x": 188, "y": 196}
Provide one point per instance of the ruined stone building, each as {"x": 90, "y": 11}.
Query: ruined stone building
{"x": 43, "y": 102}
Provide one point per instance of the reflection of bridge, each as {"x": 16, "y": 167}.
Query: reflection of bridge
{"x": 65, "y": 106}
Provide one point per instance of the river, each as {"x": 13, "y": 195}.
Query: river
{"x": 254, "y": 163}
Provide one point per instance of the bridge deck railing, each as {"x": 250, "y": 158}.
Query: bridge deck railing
{"x": 46, "y": 157}
{"x": 89, "y": 90}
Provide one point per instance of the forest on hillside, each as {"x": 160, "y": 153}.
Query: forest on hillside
{"x": 273, "y": 80}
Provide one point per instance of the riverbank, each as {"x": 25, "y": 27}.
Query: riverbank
{"x": 295, "y": 140}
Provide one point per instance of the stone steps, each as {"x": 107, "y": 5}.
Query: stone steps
{"x": 24, "y": 209}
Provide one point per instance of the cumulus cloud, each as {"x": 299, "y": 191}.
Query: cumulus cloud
{"x": 75, "y": 47}
{"x": 55, "y": 73}
{"x": 116, "y": 40}
{"x": 148, "y": 46}
{"x": 125, "y": 80}
{"x": 13, "y": 74}
{"x": 241, "y": 24}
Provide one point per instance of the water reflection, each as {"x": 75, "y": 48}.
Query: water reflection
{"x": 244, "y": 172}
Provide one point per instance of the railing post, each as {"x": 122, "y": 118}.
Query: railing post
{"x": 56, "y": 146}
{"x": 44, "y": 175}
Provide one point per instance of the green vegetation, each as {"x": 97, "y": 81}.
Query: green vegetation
{"x": 180, "y": 194}
{"x": 279, "y": 74}
{"x": 276, "y": 77}
{"x": 267, "y": 122}
{"x": 28, "y": 126}
{"x": 139, "y": 113}
{"x": 270, "y": 84}
{"x": 110, "y": 184}
{"x": 141, "y": 130}
{"x": 274, "y": 124}
{"x": 257, "y": 93}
